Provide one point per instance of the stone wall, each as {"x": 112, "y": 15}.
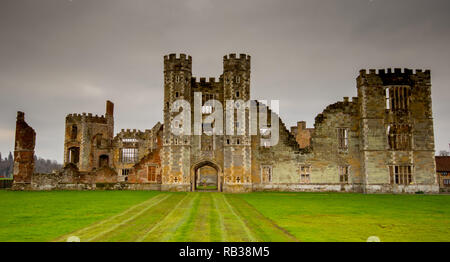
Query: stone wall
{"x": 23, "y": 153}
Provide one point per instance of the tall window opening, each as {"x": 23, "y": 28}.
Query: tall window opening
{"x": 129, "y": 155}
{"x": 151, "y": 173}
{"x": 266, "y": 174}
{"x": 399, "y": 136}
{"x": 397, "y": 98}
{"x": 342, "y": 138}
{"x": 343, "y": 174}
{"x": 74, "y": 155}
{"x": 401, "y": 175}
{"x": 305, "y": 172}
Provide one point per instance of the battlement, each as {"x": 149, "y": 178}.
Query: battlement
{"x": 130, "y": 132}
{"x": 134, "y": 134}
{"x": 396, "y": 76}
{"x": 86, "y": 118}
{"x": 174, "y": 62}
{"x": 396, "y": 72}
{"x": 242, "y": 57}
{"x": 204, "y": 80}
{"x": 232, "y": 62}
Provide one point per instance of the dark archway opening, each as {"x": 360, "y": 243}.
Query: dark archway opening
{"x": 103, "y": 161}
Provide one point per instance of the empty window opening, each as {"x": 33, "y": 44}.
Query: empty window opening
{"x": 237, "y": 94}
{"x": 129, "y": 155}
{"x": 103, "y": 161}
{"x": 398, "y": 98}
{"x": 399, "y": 136}
{"x": 151, "y": 173}
{"x": 125, "y": 172}
{"x": 342, "y": 138}
{"x": 401, "y": 175}
{"x": 74, "y": 155}
{"x": 343, "y": 174}
{"x": 305, "y": 172}
{"x": 388, "y": 99}
{"x": 266, "y": 174}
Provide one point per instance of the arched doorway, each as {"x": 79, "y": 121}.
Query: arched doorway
{"x": 206, "y": 175}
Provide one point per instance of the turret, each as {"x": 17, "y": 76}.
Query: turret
{"x": 236, "y": 77}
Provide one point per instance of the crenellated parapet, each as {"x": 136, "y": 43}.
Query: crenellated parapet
{"x": 130, "y": 133}
{"x": 205, "y": 81}
{"x": 86, "y": 117}
{"x": 396, "y": 76}
{"x": 232, "y": 62}
{"x": 178, "y": 63}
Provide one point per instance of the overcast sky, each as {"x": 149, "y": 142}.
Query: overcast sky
{"x": 59, "y": 56}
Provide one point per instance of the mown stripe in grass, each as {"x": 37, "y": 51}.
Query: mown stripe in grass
{"x": 244, "y": 225}
{"x": 132, "y": 229}
{"x": 215, "y": 222}
{"x": 265, "y": 229}
{"x": 164, "y": 226}
{"x": 230, "y": 225}
{"x": 200, "y": 231}
{"x": 109, "y": 227}
{"x": 111, "y": 221}
{"x": 220, "y": 217}
{"x": 168, "y": 231}
{"x": 187, "y": 225}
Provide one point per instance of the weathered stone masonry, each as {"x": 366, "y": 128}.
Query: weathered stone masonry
{"x": 23, "y": 153}
{"x": 378, "y": 141}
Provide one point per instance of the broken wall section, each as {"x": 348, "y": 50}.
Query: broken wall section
{"x": 23, "y": 153}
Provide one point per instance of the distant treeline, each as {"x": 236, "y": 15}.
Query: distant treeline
{"x": 40, "y": 165}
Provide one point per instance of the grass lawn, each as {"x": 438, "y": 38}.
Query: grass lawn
{"x": 355, "y": 217}
{"x": 206, "y": 187}
{"x": 43, "y": 216}
{"x": 205, "y": 216}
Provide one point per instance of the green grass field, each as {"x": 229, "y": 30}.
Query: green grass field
{"x": 163, "y": 216}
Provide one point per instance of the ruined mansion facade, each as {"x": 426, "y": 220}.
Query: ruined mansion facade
{"x": 379, "y": 141}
